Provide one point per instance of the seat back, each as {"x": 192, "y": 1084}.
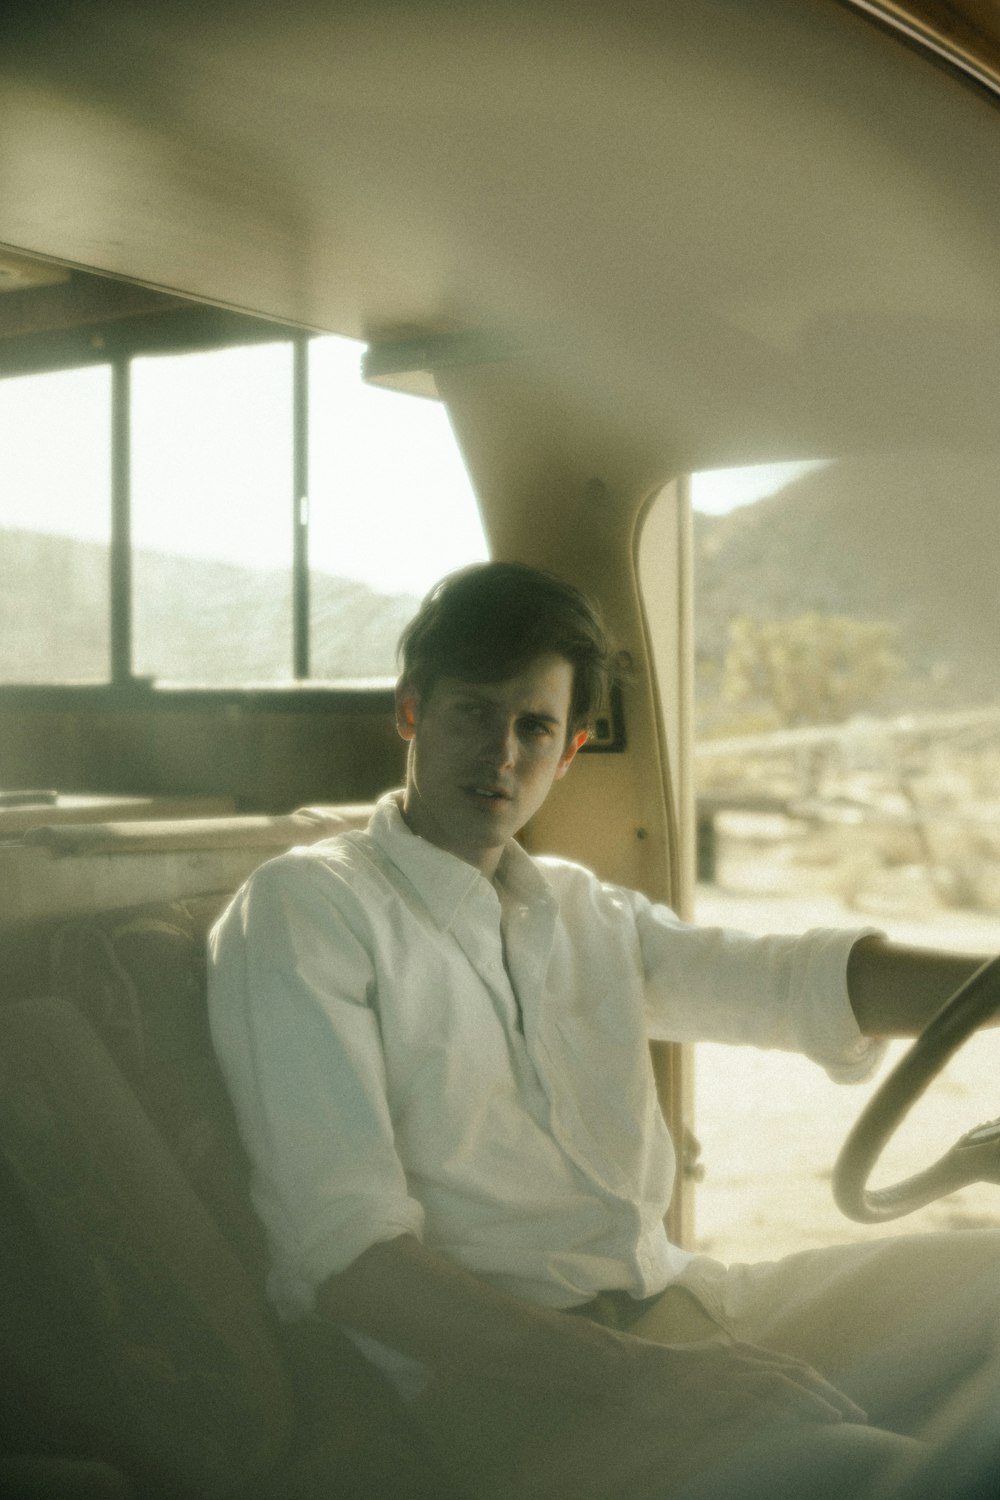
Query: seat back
{"x": 58, "y": 871}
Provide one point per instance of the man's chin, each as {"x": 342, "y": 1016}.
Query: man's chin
{"x": 493, "y": 820}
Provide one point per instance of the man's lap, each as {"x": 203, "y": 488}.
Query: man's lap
{"x": 898, "y": 1324}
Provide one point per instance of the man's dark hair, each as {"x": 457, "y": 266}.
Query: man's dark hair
{"x": 487, "y": 622}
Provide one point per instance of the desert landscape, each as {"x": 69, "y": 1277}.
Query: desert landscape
{"x": 771, "y": 1125}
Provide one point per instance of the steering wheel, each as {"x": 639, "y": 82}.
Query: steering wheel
{"x": 974, "y": 1158}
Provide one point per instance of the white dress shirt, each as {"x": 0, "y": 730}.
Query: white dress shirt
{"x": 412, "y": 1048}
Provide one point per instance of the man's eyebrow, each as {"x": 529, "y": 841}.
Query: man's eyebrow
{"x": 466, "y": 690}
{"x": 483, "y": 695}
{"x": 540, "y": 713}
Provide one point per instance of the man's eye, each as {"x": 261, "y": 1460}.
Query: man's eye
{"x": 536, "y": 729}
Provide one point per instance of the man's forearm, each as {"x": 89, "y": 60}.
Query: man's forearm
{"x": 420, "y": 1303}
{"x": 895, "y": 990}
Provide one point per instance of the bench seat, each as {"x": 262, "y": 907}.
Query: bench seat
{"x": 138, "y": 1341}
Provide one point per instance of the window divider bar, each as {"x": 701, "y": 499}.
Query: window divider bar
{"x": 300, "y": 501}
{"x": 121, "y": 523}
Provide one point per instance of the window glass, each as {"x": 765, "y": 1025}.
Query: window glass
{"x": 391, "y": 511}
{"x": 55, "y": 526}
{"x": 212, "y": 516}
{"x": 848, "y": 774}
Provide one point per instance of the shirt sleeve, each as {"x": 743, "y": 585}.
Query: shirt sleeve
{"x": 711, "y": 984}
{"x": 291, "y": 991}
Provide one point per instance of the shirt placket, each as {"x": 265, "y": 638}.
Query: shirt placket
{"x": 529, "y": 951}
{"x": 477, "y": 932}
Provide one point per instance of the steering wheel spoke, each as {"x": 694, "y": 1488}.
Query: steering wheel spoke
{"x": 974, "y": 1158}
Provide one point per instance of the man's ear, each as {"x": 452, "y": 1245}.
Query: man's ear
{"x": 569, "y": 753}
{"x": 407, "y": 702}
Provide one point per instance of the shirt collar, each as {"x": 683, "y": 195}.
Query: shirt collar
{"x": 443, "y": 880}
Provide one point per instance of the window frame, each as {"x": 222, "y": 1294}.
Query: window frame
{"x": 115, "y": 344}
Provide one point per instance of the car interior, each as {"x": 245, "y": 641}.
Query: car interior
{"x": 608, "y": 248}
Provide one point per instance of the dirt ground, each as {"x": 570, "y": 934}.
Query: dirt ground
{"x": 771, "y": 1125}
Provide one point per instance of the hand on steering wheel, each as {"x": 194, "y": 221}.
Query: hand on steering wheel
{"x": 974, "y": 1158}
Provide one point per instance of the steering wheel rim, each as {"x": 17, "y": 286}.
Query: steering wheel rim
{"x": 974, "y": 1158}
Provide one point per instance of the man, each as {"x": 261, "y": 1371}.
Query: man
{"x": 437, "y": 1049}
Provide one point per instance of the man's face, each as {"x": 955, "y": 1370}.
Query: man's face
{"x": 484, "y": 756}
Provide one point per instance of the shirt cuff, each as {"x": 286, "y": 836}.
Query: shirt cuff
{"x": 829, "y": 1032}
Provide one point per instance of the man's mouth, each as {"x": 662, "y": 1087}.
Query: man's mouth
{"x": 489, "y": 793}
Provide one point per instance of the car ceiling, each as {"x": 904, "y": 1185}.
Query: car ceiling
{"x": 744, "y": 232}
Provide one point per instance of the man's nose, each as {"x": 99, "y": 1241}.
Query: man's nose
{"x": 500, "y": 744}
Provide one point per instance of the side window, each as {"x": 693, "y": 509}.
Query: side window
{"x": 391, "y": 510}
{"x": 211, "y": 485}
{"x": 847, "y": 765}
{"x": 55, "y": 527}
{"x": 281, "y": 518}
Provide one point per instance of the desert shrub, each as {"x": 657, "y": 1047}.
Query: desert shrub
{"x": 813, "y": 669}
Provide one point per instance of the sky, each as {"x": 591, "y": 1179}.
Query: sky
{"x": 714, "y": 492}
{"x": 389, "y": 503}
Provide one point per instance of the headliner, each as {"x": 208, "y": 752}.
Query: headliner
{"x": 755, "y": 232}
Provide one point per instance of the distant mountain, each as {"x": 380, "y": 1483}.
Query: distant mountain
{"x": 194, "y": 620}
{"x": 53, "y": 609}
{"x": 913, "y": 542}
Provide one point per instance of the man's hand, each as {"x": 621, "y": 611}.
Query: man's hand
{"x": 677, "y": 1409}
{"x": 721, "y": 1381}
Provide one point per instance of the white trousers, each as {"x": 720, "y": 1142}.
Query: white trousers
{"x": 908, "y": 1327}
